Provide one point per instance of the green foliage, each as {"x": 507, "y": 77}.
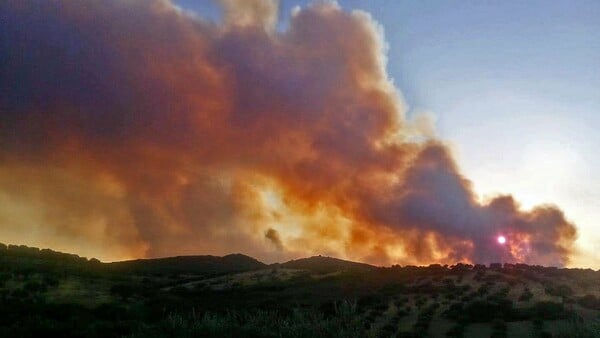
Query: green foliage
{"x": 394, "y": 289}
{"x": 538, "y": 324}
{"x": 424, "y": 318}
{"x": 484, "y": 311}
{"x": 578, "y": 329}
{"x": 590, "y": 302}
{"x": 526, "y": 295}
{"x": 498, "y": 328}
{"x": 559, "y": 291}
{"x": 370, "y": 301}
{"x": 32, "y": 286}
{"x": 124, "y": 291}
{"x": 454, "y": 310}
{"x": 46, "y": 293}
{"x": 388, "y": 330}
{"x": 483, "y": 290}
{"x": 258, "y": 324}
{"x": 550, "y": 310}
{"x": 4, "y": 277}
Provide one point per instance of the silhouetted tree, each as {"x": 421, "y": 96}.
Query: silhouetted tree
{"x": 125, "y": 291}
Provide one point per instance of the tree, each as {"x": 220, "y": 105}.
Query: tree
{"x": 125, "y": 291}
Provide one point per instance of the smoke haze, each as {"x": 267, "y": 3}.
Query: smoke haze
{"x": 132, "y": 129}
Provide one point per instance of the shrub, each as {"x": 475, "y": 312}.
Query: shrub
{"x": 484, "y": 289}
{"x": 499, "y": 324}
{"x": 498, "y": 328}
{"x": 590, "y": 302}
{"x": 388, "y": 330}
{"x": 550, "y": 310}
{"x": 258, "y": 324}
{"x": 483, "y": 311}
{"x": 50, "y": 281}
{"x": 34, "y": 287}
{"x": 526, "y": 295}
{"x": 124, "y": 291}
{"x": 559, "y": 291}
{"x": 454, "y": 310}
{"x": 538, "y": 324}
{"x": 577, "y": 329}
{"x": 456, "y": 331}
{"x": 4, "y": 277}
{"x": 451, "y": 296}
{"x": 368, "y": 301}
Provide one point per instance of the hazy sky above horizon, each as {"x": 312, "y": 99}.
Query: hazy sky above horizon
{"x": 513, "y": 86}
{"x": 388, "y": 132}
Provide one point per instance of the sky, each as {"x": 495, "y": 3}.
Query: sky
{"x": 409, "y": 132}
{"x": 513, "y": 86}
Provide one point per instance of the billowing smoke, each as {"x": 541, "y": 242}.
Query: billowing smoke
{"x": 130, "y": 129}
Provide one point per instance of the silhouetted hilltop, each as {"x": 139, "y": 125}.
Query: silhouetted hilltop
{"x": 321, "y": 264}
{"x": 49, "y": 293}
{"x": 204, "y": 265}
{"x": 27, "y": 252}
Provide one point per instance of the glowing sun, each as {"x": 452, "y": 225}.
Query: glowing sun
{"x": 501, "y": 239}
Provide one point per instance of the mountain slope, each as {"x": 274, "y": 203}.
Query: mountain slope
{"x": 202, "y": 265}
{"x": 321, "y": 264}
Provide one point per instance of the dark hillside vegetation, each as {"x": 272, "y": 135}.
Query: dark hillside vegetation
{"x": 48, "y": 293}
{"x": 322, "y": 264}
{"x": 198, "y": 265}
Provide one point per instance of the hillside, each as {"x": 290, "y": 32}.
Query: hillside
{"x": 322, "y": 264}
{"x": 198, "y": 265}
{"x": 44, "y": 292}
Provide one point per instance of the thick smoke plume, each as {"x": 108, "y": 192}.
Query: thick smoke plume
{"x": 130, "y": 129}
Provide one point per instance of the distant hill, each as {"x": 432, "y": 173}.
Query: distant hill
{"x": 202, "y": 265}
{"x": 205, "y": 265}
{"x": 321, "y": 264}
{"x": 49, "y": 293}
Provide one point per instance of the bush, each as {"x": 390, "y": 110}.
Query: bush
{"x": 4, "y": 277}
{"x": 454, "y": 310}
{"x": 526, "y": 295}
{"x": 590, "y": 302}
{"x": 538, "y": 324}
{"x": 124, "y": 291}
{"x": 34, "y": 287}
{"x": 258, "y": 324}
{"x": 483, "y": 311}
{"x": 388, "y": 330}
{"x": 370, "y": 300}
{"x": 483, "y": 290}
{"x": 550, "y": 310}
{"x": 498, "y": 328}
{"x": 456, "y": 331}
{"x": 50, "y": 281}
{"x": 559, "y": 291}
{"x": 577, "y": 329}
{"x": 499, "y": 324}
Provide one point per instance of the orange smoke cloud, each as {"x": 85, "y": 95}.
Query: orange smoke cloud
{"x": 130, "y": 129}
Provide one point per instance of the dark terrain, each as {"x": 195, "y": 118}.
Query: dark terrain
{"x": 47, "y": 293}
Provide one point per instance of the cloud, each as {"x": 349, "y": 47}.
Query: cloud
{"x": 139, "y": 130}
{"x": 250, "y": 13}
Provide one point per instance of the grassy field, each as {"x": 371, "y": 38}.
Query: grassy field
{"x": 43, "y": 292}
